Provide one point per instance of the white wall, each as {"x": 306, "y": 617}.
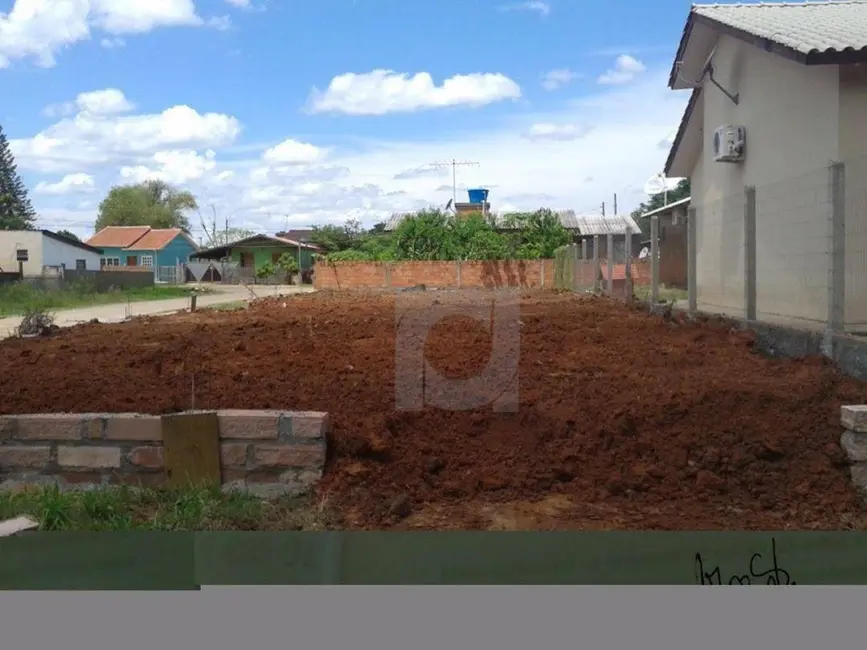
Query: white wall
{"x": 792, "y": 119}
{"x": 55, "y": 253}
{"x": 12, "y": 240}
{"x": 853, "y": 153}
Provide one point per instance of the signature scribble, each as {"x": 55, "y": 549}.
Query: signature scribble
{"x": 757, "y": 574}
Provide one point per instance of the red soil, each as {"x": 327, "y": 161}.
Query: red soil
{"x": 625, "y": 420}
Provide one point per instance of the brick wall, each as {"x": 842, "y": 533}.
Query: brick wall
{"x": 472, "y": 274}
{"x": 265, "y": 452}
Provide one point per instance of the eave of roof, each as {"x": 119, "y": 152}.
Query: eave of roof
{"x": 72, "y": 242}
{"x": 682, "y": 129}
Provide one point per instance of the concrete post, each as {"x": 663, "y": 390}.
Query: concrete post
{"x": 628, "y": 249}
{"x": 597, "y": 267}
{"x": 575, "y": 262}
{"x": 750, "y": 275}
{"x": 837, "y": 248}
{"x": 583, "y": 249}
{"x": 609, "y": 256}
{"x": 654, "y": 259}
{"x": 691, "y": 267}
{"x": 458, "y": 272}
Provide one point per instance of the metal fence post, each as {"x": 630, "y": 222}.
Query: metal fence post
{"x": 654, "y": 259}
{"x": 609, "y": 256}
{"x": 837, "y": 249}
{"x": 691, "y": 267}
{"x": 597, "y": 267}
{"x": 750, "y": 277}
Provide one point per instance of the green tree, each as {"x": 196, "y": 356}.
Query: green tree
{"x": 67, "y": 234}
{"x": 656, "y": 201}
{"x": 332, "y": 238}
{"x": 423, "y": 236}
{"x": 152, "y": 203}
{"x": 16, "y": 211}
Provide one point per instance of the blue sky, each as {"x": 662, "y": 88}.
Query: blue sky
{"x": 287, "y": 112}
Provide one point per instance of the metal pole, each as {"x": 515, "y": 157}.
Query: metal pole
{"x": 654, "y": 259}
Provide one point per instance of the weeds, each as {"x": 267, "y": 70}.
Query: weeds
{"x": 22, "y": 297}
{"x": 36, "y": 322}
{"x": 186, "y": 509}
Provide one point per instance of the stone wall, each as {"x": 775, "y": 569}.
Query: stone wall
{"x": 267, "y": 453}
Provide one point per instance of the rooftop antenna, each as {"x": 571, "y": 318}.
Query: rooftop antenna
{"x": 454, "y": 164}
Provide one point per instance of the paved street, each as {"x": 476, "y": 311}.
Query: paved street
{"x": 116, "y": 313}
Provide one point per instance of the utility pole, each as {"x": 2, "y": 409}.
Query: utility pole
{"x": 603, "y": 208}
{"x": 454, "y": 164}
{"x": 615, "y": 204}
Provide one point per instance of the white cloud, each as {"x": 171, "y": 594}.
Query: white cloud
{"x": 220, "y": 23}
{"x": 242, "y": 4}
{"x": 620, "y": 129}
{"x": 385, "y": 91}
{"x": 625, "y": 69}
{"x": 554, "y": 79}
{"x": 96, "y": 102}
{"x": 542, "y": 8}
{"x": 127, "y": 17}
{"x": 39, "y": 29}
{"x": 112, "y": 43}
{"x": 549, "y": 131}
{"x": 174, "y": 167}
{"x": 67, "y": 185}
{"x": 292, "y": 152}
{"x": 93, "y": 138}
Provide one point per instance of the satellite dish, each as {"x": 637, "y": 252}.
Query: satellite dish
{"x": 658, "y": 183}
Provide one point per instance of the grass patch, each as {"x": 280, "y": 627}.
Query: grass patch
{"x": 666, "y": 294}
{"x": 187, "y": 509}
{"x": 236, "y": 305}
{"x": 21, "y": 297}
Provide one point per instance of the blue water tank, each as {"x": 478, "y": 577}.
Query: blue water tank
{"x": 478, "y": 196}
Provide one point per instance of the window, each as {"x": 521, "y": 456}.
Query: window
{"x": 147, "y": 260}
{"x": 109, "y": 261}
{"x": 80, "y": 265}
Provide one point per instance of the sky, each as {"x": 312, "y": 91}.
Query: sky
{"x": 292, "y": 113}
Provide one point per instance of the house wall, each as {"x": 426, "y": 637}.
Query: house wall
{"x": 111, "y": 251}
{"x": 263, "y": 255}
{"x": 178, "y": 250}
{"x": 791, "y": 114}
{"x": 853, "y": 152}
{"x": 12, "y": 240}
{"x": 55, "y": 253}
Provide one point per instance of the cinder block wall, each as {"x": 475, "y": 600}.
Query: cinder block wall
{"x": 268, "y": 453}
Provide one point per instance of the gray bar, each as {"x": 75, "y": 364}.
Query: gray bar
{"x": 750, "y": 253}
{"x": 691, "y": 260}
{"x": 654, "y": 259}
{"x": 837, "y": 252}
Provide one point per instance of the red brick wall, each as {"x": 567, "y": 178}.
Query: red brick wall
{"x": 261, "y": 451}
{"x": 473, "y": 274}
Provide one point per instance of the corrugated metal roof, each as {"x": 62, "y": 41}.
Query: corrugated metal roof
{"x": 806, "y": 27}
{"x": 596, "y": 224}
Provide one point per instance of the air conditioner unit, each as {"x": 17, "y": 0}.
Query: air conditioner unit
{"x": 729, "y": 143}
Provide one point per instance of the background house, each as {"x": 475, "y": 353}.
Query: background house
{"x": 45, "y": 250}
{"x": 672, "y": 243}
{"x": 252, "y": 253}
{"x": 792, "y": 76}
{"x": 142, "y": 246}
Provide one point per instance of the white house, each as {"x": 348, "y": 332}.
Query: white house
{"x": 780, "y": 89}
{"x": 43, "y": 248}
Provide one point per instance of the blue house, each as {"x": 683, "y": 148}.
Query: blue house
{"x": 143, "y": 246}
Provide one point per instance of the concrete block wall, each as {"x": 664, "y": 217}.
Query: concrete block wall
{"x": 451, "y": 274}
{"x": 267, "y": 453}
{"x": 854, "y": 444}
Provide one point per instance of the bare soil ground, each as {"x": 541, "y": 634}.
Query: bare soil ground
{"x": 626, "y": 421}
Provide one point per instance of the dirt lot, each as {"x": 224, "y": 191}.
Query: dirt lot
{"x": 625, "y": 420}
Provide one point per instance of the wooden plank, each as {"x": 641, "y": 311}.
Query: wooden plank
{"x": 191, "y": 444}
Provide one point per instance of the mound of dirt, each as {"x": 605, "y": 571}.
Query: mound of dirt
{"x": 632, "y": 420}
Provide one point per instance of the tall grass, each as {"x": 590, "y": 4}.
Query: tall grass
{"x": 21, "y": 297}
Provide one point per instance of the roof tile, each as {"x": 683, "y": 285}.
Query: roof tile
{"x": 156, "y": 239}
{"x": 806, "y": 27}
{"x": 117, "y": 236}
